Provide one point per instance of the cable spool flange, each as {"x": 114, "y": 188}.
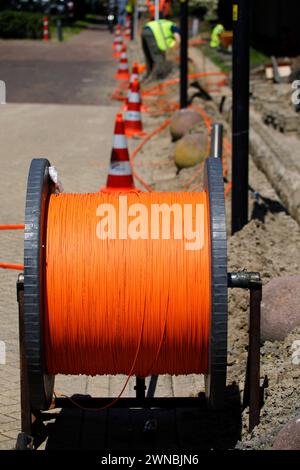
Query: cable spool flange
{"x": 39, "y": 187}
{"x": 215, "y": 381}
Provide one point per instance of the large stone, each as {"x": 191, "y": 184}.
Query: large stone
{"x": 288, "y": 437}
{"x": 183, "y": 122}
{"x": 189, "y": 151}
{"x": 280, "y": 307}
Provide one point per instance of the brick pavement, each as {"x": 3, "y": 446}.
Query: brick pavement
{"x": 78, "y": 71}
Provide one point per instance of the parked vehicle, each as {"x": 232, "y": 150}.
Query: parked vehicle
{"x": 27, "y": 5}
{"x": 64, "y": 8}
{"x": 69, "y": 9}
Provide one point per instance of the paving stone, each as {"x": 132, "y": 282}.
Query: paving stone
{"x": 10, "y": 426}
{"x": 6, "y": 410}
{"x": 12, "y": 434}
{"x": 5, "y": 419}
{"x": 8, "y": 444}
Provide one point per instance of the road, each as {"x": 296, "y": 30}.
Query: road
{"x": 78, "y": 71}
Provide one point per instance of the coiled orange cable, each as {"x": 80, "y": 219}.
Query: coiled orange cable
{"x": 12, "y": 227}
{"x": 155, "y": 89}
{"x": 19, "y": 267}
{"x": 137, "y": 307}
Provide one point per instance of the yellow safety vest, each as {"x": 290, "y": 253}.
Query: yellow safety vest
{"x": 162, "y": 33}
{"x": 215, "y": 35}
{"x": 129, "y": 8}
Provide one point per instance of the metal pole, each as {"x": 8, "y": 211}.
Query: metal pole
{"x": 216, "y": 141}
{"x": 252, "y": 390}
{"x": 183, "y": 53}
{"x": 254, "y": 355}
{"x": 240, "y": 114}
{"x": 195, "y": 27}
{"x": 134, "y": 30}
{"x": 59, "y": 30}
{"x": 156, "y": 14}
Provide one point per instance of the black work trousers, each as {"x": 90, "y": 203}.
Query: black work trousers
{"x": 156, "y": 62}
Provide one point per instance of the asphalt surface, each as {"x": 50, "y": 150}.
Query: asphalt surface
{"x": 77, "y": 71}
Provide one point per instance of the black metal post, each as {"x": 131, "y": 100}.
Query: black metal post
{"x": 140, "y": 388}
{"x": 254, "y": 355}
{"x": 59, "y": 30}
{"x": 152, "y": 386}
{"x": 183, "y": 53}
{"x": 252, "y": 389}
{"x": 240, "y": 114}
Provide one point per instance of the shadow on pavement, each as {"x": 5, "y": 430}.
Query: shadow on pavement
{"x": 124, "y": 429}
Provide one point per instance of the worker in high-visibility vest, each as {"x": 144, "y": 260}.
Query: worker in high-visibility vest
{"x": 215, "y": 35}
{"x": 130, "y": 7}
{"x": 157, "y": 37}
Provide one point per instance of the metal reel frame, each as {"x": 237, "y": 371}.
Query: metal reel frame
{"x": 37, "y": 386}
{"x": 215, "y": 380}
{"x": 39, "y": 188}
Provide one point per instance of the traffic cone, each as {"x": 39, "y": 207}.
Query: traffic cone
{"x": 123, "y": 71}
{"x": 118, "y": 29}
{"x": 116, "y": 36}
{"x": 134, "y": 73}
{"x": 133, "y": 117}
{"x": 117, "y": 44}
{"x": 133, "y": 76}
{"x": 45, "y": 28}
{"x": 120, "y": 172}
{"x": 127, "y": 33}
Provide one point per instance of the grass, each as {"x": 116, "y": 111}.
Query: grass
{"x": 70, "y": 30}
{"x": 256, "y": 58}
{"x": 91, "y": 16}
{"x": 216, "y": 58}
